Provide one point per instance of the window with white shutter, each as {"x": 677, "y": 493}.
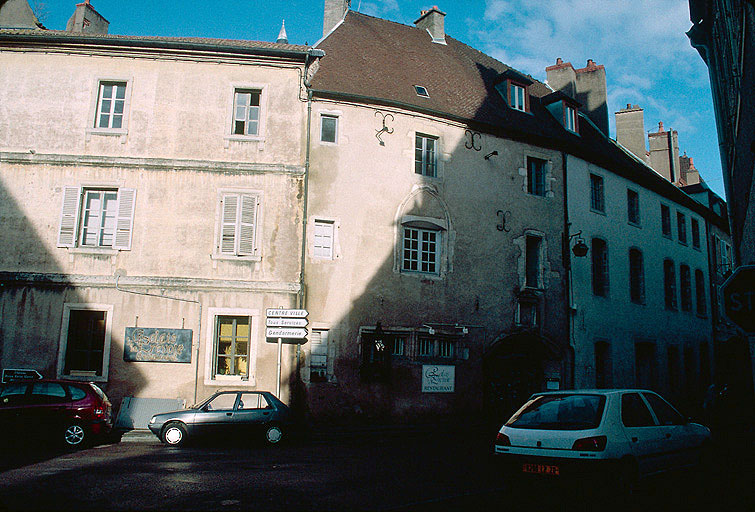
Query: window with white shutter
{"x": 238, "y": 224}
{"x": 318, "y": 355}
{"x": 97, "y": 217}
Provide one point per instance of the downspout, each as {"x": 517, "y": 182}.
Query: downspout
{"x": 567, "y": 264}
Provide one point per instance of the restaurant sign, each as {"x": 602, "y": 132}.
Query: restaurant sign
{"x": 157, "y": 345}
{"x": 438, "y": 378}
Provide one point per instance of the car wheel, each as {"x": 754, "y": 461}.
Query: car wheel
{"x": 273, "y": 434}
{"x": 74, "y": 435}
{"x": 174, "y": 434}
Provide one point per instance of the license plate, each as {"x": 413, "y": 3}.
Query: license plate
{"x": 540, "y": 469}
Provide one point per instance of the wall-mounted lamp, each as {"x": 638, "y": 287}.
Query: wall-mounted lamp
{"x": 492, "y": 153}
{"x": 580, "y": 248}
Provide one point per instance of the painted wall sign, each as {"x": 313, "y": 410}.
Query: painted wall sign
{"x": 438, "y": 378}
{"x": 157, "y": 345}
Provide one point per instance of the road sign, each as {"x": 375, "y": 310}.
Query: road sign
{"x": 287, "y": 313}
{"x": 10, "y": 374}
{"x": 738, "y": 296}
{"x": 286, "y": 332}
{"x": 286, "y": 322}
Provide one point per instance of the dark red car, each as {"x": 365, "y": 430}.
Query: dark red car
{"x": 60, "y": 411}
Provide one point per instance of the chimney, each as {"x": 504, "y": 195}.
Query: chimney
{"x": 86, "y": 20}
{"x": 562, "y": 77}
{"x": 664, "y": 153}
{"x": 335, "y": 10}
{"x": 593, "y": 94}
{"x": 630, "y": 131}
{"x": 432, "y": 20}
{"x": 690, "y": 175}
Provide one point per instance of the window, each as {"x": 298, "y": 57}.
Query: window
{"x": 425, "y": 347}
{"x": 323, "y": 247}
{"x": 318, "y": 355}
{"x": 328, "y": 128}
{"x": 570, "y": 118}
{"x": 246, "y": 112}
{"x": 685, "y": 283}
{"x": 399, "y": 346}
{"x": 636, "y": 277}
{"x": 723, "y": 255}
{"x": 700, "y": 293}
{"x": 249, "y": 401}
{"x": 695, "y": 226}
{"x": 644, "y": 365}
{"x": 669, "y": 284}
{"x": 421, "y": 250}
{"x": 599, "y": 267}
{"x": 533, "y": 263}
{"x": 111, "y": 106}
{"x": 602, "y": 365}
{"x": 536, "y": 176}
{"x": 222, "y": 402}
{"x": 421, "y": 91}
{"x": 666, "y": 221}
{"x": 666, "y": 414}
{"x": 232, "y": 341}
{"x": 597, "y": 202}
{"x": 97, "y": 217}
{"x": 85, "y": 341}
{"x": 633, "y": 207}
{"x": 48, "y": 393}
{"x": 634, "y": 411}
{"x": 681, "y": 227}
{"x": 238, "y": 224}
{"x": 425, "y": 155}
{"x": 445, "y": 348}
{"x": 517, "y": 97}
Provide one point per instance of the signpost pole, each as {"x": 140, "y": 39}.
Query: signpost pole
{"x": 280, "y": 350}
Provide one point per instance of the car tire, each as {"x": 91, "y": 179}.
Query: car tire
{"x": 74, "y": 435}
{"x": 174, "y": 434}
{"x": 273, "y": 434}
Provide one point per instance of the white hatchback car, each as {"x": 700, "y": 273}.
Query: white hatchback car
{"x": 627, "y": 433}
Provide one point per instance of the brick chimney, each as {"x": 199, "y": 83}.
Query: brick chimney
{"x": 630, "y": 131}
{"x": 664, "y": 153}
{"x": 86, "y": 20}
{"x": 334, "y": 13}
{"x": 432, "y": 20}
{"x": 690, "y": 174}
{"x": 586, "y": 85}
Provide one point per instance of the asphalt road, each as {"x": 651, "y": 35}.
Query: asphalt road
{"x": 366, "y": 471}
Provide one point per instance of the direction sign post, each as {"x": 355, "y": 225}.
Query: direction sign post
{"x": 738, "y": 297}
{"x": 285, "y": 323}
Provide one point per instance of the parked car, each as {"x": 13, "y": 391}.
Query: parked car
{"x": 226, "y": 413}
{"x": 623, "y": 434}
{"x": 61, "y": 411}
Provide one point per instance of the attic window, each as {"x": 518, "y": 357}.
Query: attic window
{"x": 421, "y": 91}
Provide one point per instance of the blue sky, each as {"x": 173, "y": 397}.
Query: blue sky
{"x": 641, "y": 43}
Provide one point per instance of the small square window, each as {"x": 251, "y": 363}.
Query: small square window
{"x": 328, "y": 128}
{"x": 421, "y": 91}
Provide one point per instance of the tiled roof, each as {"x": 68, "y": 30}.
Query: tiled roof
{"x": 376, "y": 61}
{"x": 157, "y": 41}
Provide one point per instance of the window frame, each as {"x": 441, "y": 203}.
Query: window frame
{"x": 93, "y": 127}
{"x": 537, "y": 251}
{"x": 669, "y": 285}
{"x": 695, "y": 229}
{"x": 636, "y": 279}
{"x": 321, "y": 341}
{"x": 222, "y": 226}
{"x": 685, "y": 287}
{"x": 666, "y": 229}
{"x": 336, "y": 118}
{"x": 71, "y": 221}
{"x": 681, "y": 227}
{"x": 570, "y": 118}
{"x": 421, "y": 231}
{"x": 423, "y": 162}
{"x": 319, "y": 222}
{"x": 537, "y": 172}
{"x": 597, "y": 195}
{"x": 600, "y": 269}
{"x": 230, "y": 122}
{"x": 210, "y": 378}
{"x": 63, "y": 343}
{"x": 633, "y": 208}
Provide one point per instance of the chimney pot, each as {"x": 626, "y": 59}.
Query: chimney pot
{"x": 660, "y": 126}
{"x": 559, "y": 60}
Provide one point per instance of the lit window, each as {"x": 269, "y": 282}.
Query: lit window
{"x": 599, "y": 267}
{"x": 636, "y": 277}
{"x": 238, "y": 223}
{"x": 97, "y": 217}
{"x": 669, "y": 284}
{"x": 323, "y": 247}
{"x": 421, "y": 252}
{"x": 425, "y": 155}
{"x": 232, "y": 340}
{"x": 111, "y": 106}
{"x": 536, "y": 176}
{"x": 633, "y": 207}
{"x": 597, "y": 201}
{"x": 328, "y": 128}
{"x": 246, "y": 112}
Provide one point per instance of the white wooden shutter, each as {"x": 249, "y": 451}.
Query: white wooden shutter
{"x": 247, "y": 223}
{"x": 124, "y": 222}
{"x": 228, "y": 224}
{"x": 69, "y": 216}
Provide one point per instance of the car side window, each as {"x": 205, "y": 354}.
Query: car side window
{"x": 666, "y": 414}
{"x": 252, "y": 401}
{"x": 77, "y": 393}
{"x": 634, "y": 412}
{"x": 222, "y": 402}
{"x": 48, "y": 393}
{"x": 13, "y": 394}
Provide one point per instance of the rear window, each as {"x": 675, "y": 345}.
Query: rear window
{"x": 77, "y": 393}
{"x": 560, "y": 412}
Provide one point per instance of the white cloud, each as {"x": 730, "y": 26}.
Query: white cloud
{"x": 380, "y": 8}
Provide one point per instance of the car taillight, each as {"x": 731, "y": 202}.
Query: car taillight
{"x": 590, "y": 444}
{"x": 99, "y": 413}
{"x": 502, "y": 440}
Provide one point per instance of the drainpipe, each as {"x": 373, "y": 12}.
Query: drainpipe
{"x": 567, "y": 264}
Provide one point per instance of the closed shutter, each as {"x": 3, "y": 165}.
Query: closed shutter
{"x": 228, "y": 224}
{"x": 125, "y": 219}
{"x": 68, "y": 217}
{"x": 247, "y": 223}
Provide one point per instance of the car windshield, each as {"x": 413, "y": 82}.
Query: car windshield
{"x": 560, "y": 412}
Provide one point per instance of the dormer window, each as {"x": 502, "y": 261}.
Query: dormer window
{"x": 421, "y": 91}
{"x": 564, "y": 109}
{"x": 570, "y": 118}
{"x": 514, "y": 89}
{"x": 517, "y": 97}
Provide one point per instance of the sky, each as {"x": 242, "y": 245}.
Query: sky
{"x": 642, "y": 44}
